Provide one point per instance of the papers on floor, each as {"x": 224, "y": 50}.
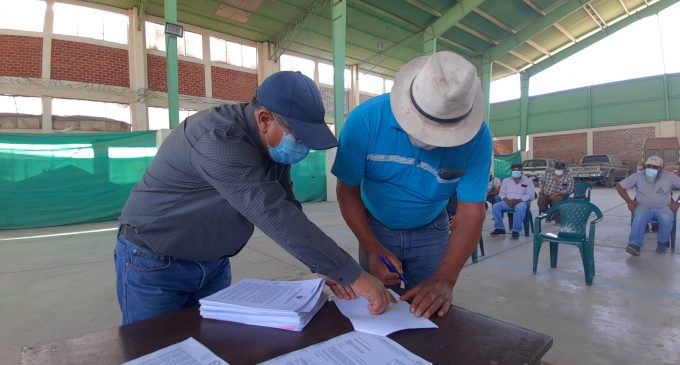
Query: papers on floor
{"x": 349, "y": 349}
{"x": 288, "y": 305}
{"x": 187, "y": 352}
{"x": 396, "y": 318}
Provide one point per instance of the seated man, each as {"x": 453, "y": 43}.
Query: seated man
{"x": 555, "y": 186}
{"x": 516, "y": 193}
{"x": 493, "y": 190}
{"x": 653, "y": 200}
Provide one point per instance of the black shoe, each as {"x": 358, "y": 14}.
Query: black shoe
{"x": 515, "y": 235}
{"x": 497, "y": 232}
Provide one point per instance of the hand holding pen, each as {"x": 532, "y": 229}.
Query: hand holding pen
{"x": 393, "y": 269}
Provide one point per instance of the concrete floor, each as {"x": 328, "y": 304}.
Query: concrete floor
{"x": 62, "y": 286}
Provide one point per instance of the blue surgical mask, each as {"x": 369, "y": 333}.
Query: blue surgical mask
{"x": 516, "y": 174}
{"x": 289, "y": 150}
{"x": 651, "y": 173}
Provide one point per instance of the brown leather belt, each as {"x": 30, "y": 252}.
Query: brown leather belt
{"x": 129, "y": 233}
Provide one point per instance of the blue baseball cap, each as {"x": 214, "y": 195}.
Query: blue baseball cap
{"x": 295, "y": 97}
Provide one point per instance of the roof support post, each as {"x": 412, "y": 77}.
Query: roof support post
{"x": 339, "y": 27}
{"x": 523, "y": 110}
{"x": 486, "y": 70}
{"x": 170, "y": 8}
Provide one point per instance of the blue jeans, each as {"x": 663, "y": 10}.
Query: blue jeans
{"x": 420, "y": 250}
{"x": 149, "y": 285}
{"x": 643, "y": 216}
{"x": 520, "y": 210}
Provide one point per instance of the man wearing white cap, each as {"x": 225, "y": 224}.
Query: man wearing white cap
{"x": 653, "y": 200}
{"x": 400, "y": 158}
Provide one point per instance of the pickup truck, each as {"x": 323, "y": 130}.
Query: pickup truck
{"x": 604, "y": 169}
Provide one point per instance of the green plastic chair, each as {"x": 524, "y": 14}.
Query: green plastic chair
{"x": 582, "y": 190}
{"x": 574, "y": 215}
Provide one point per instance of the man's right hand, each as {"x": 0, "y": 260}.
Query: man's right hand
{"x": 631, "y": 206}
{"x": 374, "y": 291}
{"x": 378, "y": 268}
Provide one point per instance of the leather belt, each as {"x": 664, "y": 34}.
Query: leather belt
{"x": 131, "y": 235}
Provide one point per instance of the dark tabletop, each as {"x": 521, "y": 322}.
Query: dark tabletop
{"x": 463, "y": 337}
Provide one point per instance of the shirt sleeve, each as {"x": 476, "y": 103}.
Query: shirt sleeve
{"x": 629, "y": 182}
{"x": 675, "y": 181}
{"x": 350, "y": 160}
{"x": 287, "y": 184}
{"x": 473, "y": 185}
{"x": 235, "y": 168}
{"x": 504, "y": 189}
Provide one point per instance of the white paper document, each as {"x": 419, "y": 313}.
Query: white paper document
{"x": 353, "y": 348}
{"x": 187, "y": 352}
{"x": 396, "y": 318}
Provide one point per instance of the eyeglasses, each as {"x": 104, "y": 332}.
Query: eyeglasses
{"x": 284, "y": 126}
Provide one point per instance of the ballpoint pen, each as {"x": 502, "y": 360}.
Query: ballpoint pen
{"x": 391, "y": 268}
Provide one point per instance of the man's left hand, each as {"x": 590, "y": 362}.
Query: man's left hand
{"x": 675, "y": 206}
{"x": 430, "y": 297}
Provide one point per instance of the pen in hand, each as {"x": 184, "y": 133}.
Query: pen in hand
{"x": 391, "y": 268}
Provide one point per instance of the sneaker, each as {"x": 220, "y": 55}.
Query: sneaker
{"x": 633, "y": 250}
{"x": 515, "y": 235}
{"x": 497, "y": 232}
{"x": 661, "y": 249}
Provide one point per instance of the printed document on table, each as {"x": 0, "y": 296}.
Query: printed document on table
{"x": 187, "y": 352}
{"x": 269, "y": 294}
{"x": 353, "y": 348}
{"x": 397, "y": 317}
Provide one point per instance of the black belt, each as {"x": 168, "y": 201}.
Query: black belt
{"x": 130, "y": 234}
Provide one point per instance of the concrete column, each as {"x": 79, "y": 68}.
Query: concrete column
{"x": 589, "y": 142}
{"x": 354, "y": 99}
{"x": 667, "y": 128}
{"x": 46, "y": 113}
{"x": 207, "y": 68}
{"x": 47, "y": 43}
{"x": 138, "y": 74}
{"x": 265, "y": 66}
{"x": 331, "y": 180}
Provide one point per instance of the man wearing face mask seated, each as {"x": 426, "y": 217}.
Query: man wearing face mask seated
{"x": 516, "y": 193}
{"x": 401, "y": 157}
{"x": 554, "y": 187}
{"x": 653, "y": 201}
{"x": 219, "y": 174}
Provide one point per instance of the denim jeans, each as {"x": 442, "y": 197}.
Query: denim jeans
{"x": 420, "y": 250}
{"x": 149, "y": 285}
{"x": 643, "y": 216}
{"x": 520, "y": 211}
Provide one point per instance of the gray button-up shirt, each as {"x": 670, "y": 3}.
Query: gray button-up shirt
{"x": 210, "y": 182}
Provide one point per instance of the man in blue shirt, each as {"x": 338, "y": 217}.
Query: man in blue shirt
{"x": 400, "y": 158}
{"x": 219, "y": 174}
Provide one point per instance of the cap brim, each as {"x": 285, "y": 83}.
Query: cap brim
{"x": 316, "y": 136}
{"x": 424, "y": 129}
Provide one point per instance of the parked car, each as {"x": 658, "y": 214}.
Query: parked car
{"x": 664, "y": 147}
{"x": 606, "y": 170}
{"x": 537, "y": 167}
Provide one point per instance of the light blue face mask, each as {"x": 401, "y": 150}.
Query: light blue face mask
{"x": 516, "y": 174}
{"x": 289, "y": 150}
{"x": 651, "y": 173}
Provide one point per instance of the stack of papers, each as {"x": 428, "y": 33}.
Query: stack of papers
{"x": 288, "y": 305}
{"x": 396, "y": 318}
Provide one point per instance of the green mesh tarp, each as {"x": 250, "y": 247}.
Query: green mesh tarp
{"x": 309, "y": 177}
{"x": 502, "y": 163}
{"x": 56, "y": 179}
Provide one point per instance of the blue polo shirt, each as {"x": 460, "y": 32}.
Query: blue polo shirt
{"x": 404, "y": 186}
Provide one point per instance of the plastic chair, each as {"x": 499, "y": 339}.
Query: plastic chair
{"x": 673, "y": 230}
{"x": 527, "y": 220}
{"x": 475, "y": 256}
{"x": 582, "y": 191}
{"x": 574, "y": 215}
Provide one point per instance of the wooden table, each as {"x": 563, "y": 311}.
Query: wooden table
{"x": 463, "y": 337}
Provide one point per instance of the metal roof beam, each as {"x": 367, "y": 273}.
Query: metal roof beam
{"x": 453, "y": 16}
{"x": 284, "y": 39}
{"x": 533, "y": 29}
{"x": 424, "y": 8}
{"x": 382, "y": 14}
{"x": 648, "y": 11}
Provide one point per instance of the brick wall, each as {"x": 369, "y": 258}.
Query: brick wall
{"x": 20, "y": 56}
{"x": 626, "y": 144}
{"x": 565, "y": 147}
{"x": 233, "y": 85}
{"x": 191, "y": 76}
{"x": 503, "y": 147}
{"x": 89, "y": 63}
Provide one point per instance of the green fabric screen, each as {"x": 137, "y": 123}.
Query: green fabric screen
{"x": 56, "y": 179}
{"x": 502, "y": 163}
{"x": 309, "y": 177}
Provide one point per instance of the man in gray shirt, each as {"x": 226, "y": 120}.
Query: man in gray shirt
{"x": 217, "y": 175}
{"x": 653, "y": 201}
